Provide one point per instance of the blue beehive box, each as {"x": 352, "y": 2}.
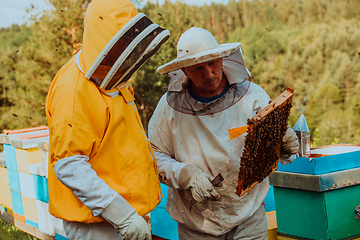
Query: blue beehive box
{"x": 270, "y": 200}
{"x": 10, "y": 156}
{"x": 31, "y": 223}
{"x": 326, "y": 159}
{"x": 162, "y": 225}
{"x": 319, "y": 197}
{"x": 59, "y": 237}
{"x": 14, "y": 181}
{"x": 41, "y": 188}
{"x": 17, "y": 203}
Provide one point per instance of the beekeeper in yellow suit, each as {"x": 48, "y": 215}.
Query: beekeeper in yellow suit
{"x": 102, "y": 172}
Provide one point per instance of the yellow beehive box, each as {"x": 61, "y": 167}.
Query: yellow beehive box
{"x": 30, "y": 209}
{"x": 5, "y": 196}
{"x": 271, "y": 219}
{"x": 25, "y": 157}
{"x": 4, "y": 175}
{"x": 272, "y": 225}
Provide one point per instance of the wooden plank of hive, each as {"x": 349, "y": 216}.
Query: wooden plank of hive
{"x": 263, "y": 142}
{"x": 31, "y": 230}
{"x": 7, "y": 217}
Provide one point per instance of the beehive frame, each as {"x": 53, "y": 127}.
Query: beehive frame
{"x": 263, "y": 142}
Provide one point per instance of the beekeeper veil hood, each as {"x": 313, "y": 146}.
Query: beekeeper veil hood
{"x": 117, "y": 41}
{"x": 195, "y": 46}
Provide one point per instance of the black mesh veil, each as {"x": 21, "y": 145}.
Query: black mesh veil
{"x": 127, "y": 51}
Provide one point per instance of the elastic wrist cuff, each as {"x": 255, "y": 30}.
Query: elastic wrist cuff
{"x": 117, "y": 211}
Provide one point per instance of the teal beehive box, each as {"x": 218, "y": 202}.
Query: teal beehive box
{"x": 318, "y": 215}
{"x": 319, "y": 199}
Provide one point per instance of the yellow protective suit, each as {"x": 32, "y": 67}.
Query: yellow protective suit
{"x": 85, "y": 120}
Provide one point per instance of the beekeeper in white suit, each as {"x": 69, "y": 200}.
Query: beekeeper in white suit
{"x": 209, "y": 93}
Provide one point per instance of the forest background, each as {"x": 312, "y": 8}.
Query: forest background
{"x": 312, "y": 46}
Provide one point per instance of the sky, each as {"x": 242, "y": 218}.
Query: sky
{"x": 14, "y": 11}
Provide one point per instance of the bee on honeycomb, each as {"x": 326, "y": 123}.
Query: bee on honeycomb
{"x": 263, "y": 142}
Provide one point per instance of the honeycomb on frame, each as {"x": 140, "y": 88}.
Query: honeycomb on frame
{"x": 263, "y": 142}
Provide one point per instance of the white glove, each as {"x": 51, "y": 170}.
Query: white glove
{"x": 199, "y": 183}
{"x": 290, "y": 147}
{"x": 290, "y": 142}
{"x": 135, "y": 227}
{"x": 126, "y": 220}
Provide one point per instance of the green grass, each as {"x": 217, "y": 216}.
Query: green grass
{"x": 10, "y": 232}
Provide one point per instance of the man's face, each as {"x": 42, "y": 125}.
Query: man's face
{"x": 207, "y": 78}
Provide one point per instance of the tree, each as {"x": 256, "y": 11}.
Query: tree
{"x": 310, "y": 45}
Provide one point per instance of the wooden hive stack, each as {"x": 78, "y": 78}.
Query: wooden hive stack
{"x": 263, "y": 142}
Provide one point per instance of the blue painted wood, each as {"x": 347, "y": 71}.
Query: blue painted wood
{"x": 31, "y": 223}
{"x": 162, "y": 225}
{"x": 60, "y": 237}
{"x": 41, "y": 188}
{"x": 17, "y": 203}
{"x": 323, "y": 165}
{"x": 270, "y": 200}
{"x": 14, "y": 181}
{"x": 10, "y": 156}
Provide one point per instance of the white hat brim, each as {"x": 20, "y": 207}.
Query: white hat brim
{"x": 221, "y": 51}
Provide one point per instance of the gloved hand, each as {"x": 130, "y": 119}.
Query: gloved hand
{"x": 290, "y": 142}
{"x": 126, "y": 220}
{"x": 198, "y": 182}
{"x": 290, "y": 147}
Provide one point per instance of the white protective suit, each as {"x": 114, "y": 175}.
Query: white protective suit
{"x": 179, "y": 138}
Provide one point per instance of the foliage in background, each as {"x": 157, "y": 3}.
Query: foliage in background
{"x": 10, "y": 232}
{"x": 31, "y": 58}
{"x": 310, "y": 45}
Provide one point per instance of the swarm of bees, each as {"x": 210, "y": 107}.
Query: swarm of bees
{"x": 263, "y": 142}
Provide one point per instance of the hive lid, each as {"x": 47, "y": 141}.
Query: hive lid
{"x": 317, "y": 183}
{"x": 25, "y": 138}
